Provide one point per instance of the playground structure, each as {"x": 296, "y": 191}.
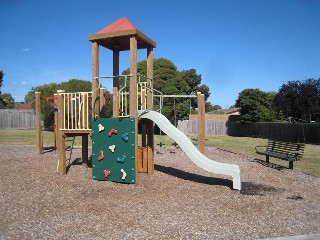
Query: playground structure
{"x": 115, "y": 152}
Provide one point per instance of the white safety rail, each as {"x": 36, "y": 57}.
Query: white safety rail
{"x": 76, "y": 111}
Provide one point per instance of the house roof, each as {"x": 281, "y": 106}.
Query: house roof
{"x": 225, "y": 111}
{"x": 25, "y": 106}
{"x": 117, "y": 36}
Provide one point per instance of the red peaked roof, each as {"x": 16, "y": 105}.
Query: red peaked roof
{"x": 122, "y": 24}
{"x": 118, "y": 34}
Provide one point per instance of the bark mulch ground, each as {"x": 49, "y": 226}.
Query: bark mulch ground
{"x": 180, "y": 201}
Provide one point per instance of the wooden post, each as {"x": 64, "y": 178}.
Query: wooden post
{"x": 86, "y": 111}
{"x": 133, "y": 80}
{"x": 143, "y": 133}
{"x": 95, "y": 81}
{"x": 55, "y": 109}
{"x": 115, "y": 90}
{"x": 102, "y": 102}
{"x": 150, "y": 78}
{"x": 85, "y": 150}
{"x": 150, "y": 125}
{"x": 39, "y": 141}
{"x": 150, "y": 142}
{"x": 201, "y": 122}
{"x": 133, "y": 91}
{"x": 60, "y": 136}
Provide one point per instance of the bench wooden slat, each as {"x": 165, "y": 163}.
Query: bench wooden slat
{"x": 282, "y": 150}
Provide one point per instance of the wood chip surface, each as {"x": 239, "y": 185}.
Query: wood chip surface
{"x": 180, "y": 201}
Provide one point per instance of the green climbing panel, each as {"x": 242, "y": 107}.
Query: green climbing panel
{"x": 113, "y": 150}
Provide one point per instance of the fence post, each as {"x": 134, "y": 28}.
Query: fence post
{"x": 39, "y": 140}
{"x": 201, "y": 122}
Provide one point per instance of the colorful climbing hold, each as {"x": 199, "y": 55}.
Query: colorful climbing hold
{"x": 101, "y": 157}
{"x": 124, "y": 136}
{"x": 112, "y": 148}
{"x": 112, "y": 131}
{"x": 121, "y": 160}
{"x": 124, "y": 174}
{"x": 106, "y": 173}
{"x": 101, "y": 128}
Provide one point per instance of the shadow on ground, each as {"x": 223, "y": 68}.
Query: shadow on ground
{"x": 193, "y": 177}
{"x": 269, "y": 165}
{"x": 256, "y": 189}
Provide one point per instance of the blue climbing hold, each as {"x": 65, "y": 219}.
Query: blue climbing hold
{"x": 124, "y": 136}
{"x": 121, "y": 159}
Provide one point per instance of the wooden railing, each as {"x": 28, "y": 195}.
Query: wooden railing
{"x": 75, "y": 109}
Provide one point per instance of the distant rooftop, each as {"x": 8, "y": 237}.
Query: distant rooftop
{"x": 226, "y": 111}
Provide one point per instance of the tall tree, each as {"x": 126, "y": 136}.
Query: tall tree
{"x": 193, "y": 79}
{"x": 48, "y": 90}
{"x": 8, "y": 100}
{"x": 256, "y": 106}
{"x": 298, "y": 99}
{"x": 169, "y": 81}
{"x": 1, "y": 79}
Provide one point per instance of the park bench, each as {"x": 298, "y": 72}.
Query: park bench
{"x": 282, "y": 150}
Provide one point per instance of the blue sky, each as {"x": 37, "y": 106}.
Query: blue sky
{"x": 233, "y": 44}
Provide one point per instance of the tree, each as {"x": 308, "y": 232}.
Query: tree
{"x": 256, "y": 106}
{"x": 169, "y": 81}
{"x": 210, "y": 107}
{"x": 8, "y": 100}
{"x": 287, "y": 100}
{"x": 192, "y": 78}
{"x": 298, "y": 99}
{"x": 29, "y": 97}
{"x": 1, "y": 79}
{"x": 48, "y": 90}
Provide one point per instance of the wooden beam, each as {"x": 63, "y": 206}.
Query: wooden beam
{"x": 150, "y": 77}
{"x": 102, "y": 102}
{"x": 95, "y": 81}
{"x": 133, "y": 80}
{"x": 201, "y": 122}
{"x": 39, "y": 141}
{"x": 60, "y": 136}
{"x": 150, "y": 143}
{"x": 145, "y": 40}
{"x": 55, "y": 109}
{"x": 85, "y": 150}
{"x": 133, "y": 92}
{"x": 150, "y": 163}
{"x": 115, "y": 90}
{"x": 143, "y": 133}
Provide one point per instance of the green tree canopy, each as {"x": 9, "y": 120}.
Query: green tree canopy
{"x": 298, "y": 99}
{"x": 48, "y": 90}
{"x": 256, "y": 106}
{"x": 1, "y": 79}
{"x": 210, "y": 107}
{"x": 170, "y": 81}
{"x": 8, "y": 100}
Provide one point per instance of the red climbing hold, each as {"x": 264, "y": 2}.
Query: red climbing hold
{"x": 101, "y": 156}
{"x": 106, "y": 173}
{"x": 112, "y": 131}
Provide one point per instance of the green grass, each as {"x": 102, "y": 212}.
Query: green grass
{"x": 309, "y": 164}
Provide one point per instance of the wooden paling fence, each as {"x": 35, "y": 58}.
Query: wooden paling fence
{"x": 17, "y": 119}
{"x": 291, "y": 132}
{"x": 212, "y": 128}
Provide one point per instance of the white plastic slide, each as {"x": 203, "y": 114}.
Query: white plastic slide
{"x": 191, "y": 151}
